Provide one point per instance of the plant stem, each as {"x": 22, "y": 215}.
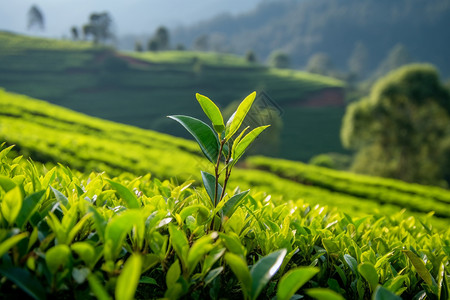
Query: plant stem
{"x": 216, "y": 173}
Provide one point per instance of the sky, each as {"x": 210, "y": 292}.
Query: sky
{"x": 130, "y": 16}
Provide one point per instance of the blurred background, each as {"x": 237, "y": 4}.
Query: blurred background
{"x": 350, "y": 85}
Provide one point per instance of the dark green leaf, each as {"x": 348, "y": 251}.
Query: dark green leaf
{"x": 212, "y": 111}
{"x": 352, "y": 263}
{"x": 203, "y": 134}
{"x": 293, "y": 280}
{"x": 129, "y": 197}
{"x": 148, "y": 280}
{"x": 420, "y": 267}
{"x": 264, "y": 269}
{"x": 24, "y": 280}
{"x": 240, "y": 269}
{"x": 209, "y": 182}
{"x": 383, "y": 294}
{"x": 232, "y": 203}
{"x": 213, "y": 274}
{"x": 29, "y": 206}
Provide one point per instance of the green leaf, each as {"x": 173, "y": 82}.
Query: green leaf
{"x": 129, "y": 278}
{"x": 213, "y": 274}
{"x": 11, "y": 242}
{"x": 129, "y": 197}
{"x": 29, "y": 206}
{"x": 324, "y": 294}
{"x": 368, "y": 271}
{"x": 201, "y": 246}
{"x": 383, "y": 294}
{"x": 148, "y": 280}
{"x": 11, "y": 204}
{"x": 233, "y": 243}
{"x": 230, "y": 206}
{"x": 99, "y": 222}
{"x": 352, "y": 263}
{"x": 245, "y": 142}
{"x": 24, "y": 280}
{"x": 237, "y": 118}
{"x": 173, "y": 274}
{"x": 60, "y": 197}
{"x": 179, "y": 242}
{"x": 6, "y": 183}
{"x": 85, "y": 251}
{"x": 240, "y": 269}
{"x": 293, "y": 280}
{"x": 209, "y": 181}
{"x": 203, "y": 134}
{"x": 212, "y": 111}
{"x": 116, "y": 231}
{"x": 97, "y": 288}
{"x": 420, "y": 267}
{"x": 264, "y": 269}
{"x": 57, "y": 258}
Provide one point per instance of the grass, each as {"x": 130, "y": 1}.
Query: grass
{"x": 135, "y": 88}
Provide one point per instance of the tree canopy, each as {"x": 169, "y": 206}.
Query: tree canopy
{"x": 100, "y": 27}
{"x": 35, "y": 18}
{"x": 402, "y": 129}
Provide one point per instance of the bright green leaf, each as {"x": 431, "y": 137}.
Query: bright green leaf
{"x": 324, "y": 294}
{"x": 97, "y": 288}
{"x": 179, "y": 242}
{"x": 200, "y": 247}
{"x": 240, "y": 269}
{"x": 212, "y": 111}
{"x": 245, "y": 142}
{"x": 57, "y": 258}
{"x": 293, "y": 280}
{"x": 11, "y": 204}
{"x": 264, "y": 269}
{"x": 237, "y": 118}
{"x": 352, "y": 263}
{"x": 173, "y": 274}
{"x": 420, "y": 267}
{"x": 367, "y": 270}
{"x": 85, "y": 251}
{"x": 129, "y": 197}
{"x": 60, "y": 197}
{"x": 203, "y": 134}
{"x": 6, "y": 183}
{"x": 232, "y": 203}
{"x": 129, "y": 278}
{"x": 11, "y": 242}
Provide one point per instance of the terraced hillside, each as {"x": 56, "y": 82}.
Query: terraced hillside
{"x": 53, "y": 134}
{"x": 142, "y": 88}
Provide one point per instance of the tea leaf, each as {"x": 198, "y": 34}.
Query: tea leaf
{"x": 29, "y": 206}
{"x": 179, "y": 242}
{"x": 245, "y": 142}
{"x": 233, "y": 202}
{"x": 420, "y": 267}
{"x": 129, "y": 278}
{"x": 57, "y": 258}
{"x": 383, "y": 294}
{"x": 264, "y": 269}
{"x": 6, "y": 183}
{"x": 237, "y": 118}
{"x": 173, "y": 274}
{"x": 11, "y": 205}
{"x": 209, "y": 181}
{"x": 24, "y": 280}
{"x": 129, "y": 197}
{"x": 11, "y": 242}
{"x": 203, "y": 134}
{"x": 240, "y": 269}
{"x": 97, "y": 288}
{"x": 293, "y": 280}
{"x": 212, "y": 111}
{"x": 367, "y": 270}
{"x": 324, "y": 294}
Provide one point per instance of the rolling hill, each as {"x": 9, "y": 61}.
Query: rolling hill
{"x": 51, "y": 134}
{"x": 140, "y": 89}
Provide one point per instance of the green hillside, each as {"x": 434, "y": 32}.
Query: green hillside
{"x": 49, "y": 133}
{"x": 140, "y": 89}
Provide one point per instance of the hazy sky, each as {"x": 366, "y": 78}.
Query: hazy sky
{"x": 130, "y": 16}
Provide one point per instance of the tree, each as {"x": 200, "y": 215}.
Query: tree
{"x": 320, "y": 63}
{"x": 74, "y": 32}
{"x": 138, "y": 46}
{"x": 35, "y": 18}
{"x": 201, "y": 43}
{"x": 100, "y": 27}
{"x": 398, "y": 56}
{"x": 357, "y": 63}
{"x": 250, "y": 57}
{"x": 279, "y": 59}
{"x": 162, "y": 38}
{"x": 153, "y": 45}
{"x": 402, "y": 129}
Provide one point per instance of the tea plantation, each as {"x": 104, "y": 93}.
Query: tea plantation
{"x": 130, "y": 219}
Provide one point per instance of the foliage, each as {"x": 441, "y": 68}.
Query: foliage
{"x": 99, "y": 27}
{"x": 141, "y": 238}
{"x": 400, "y": 130}
{"x": 35, "y": 18}
{"x": 279, "y": 59}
